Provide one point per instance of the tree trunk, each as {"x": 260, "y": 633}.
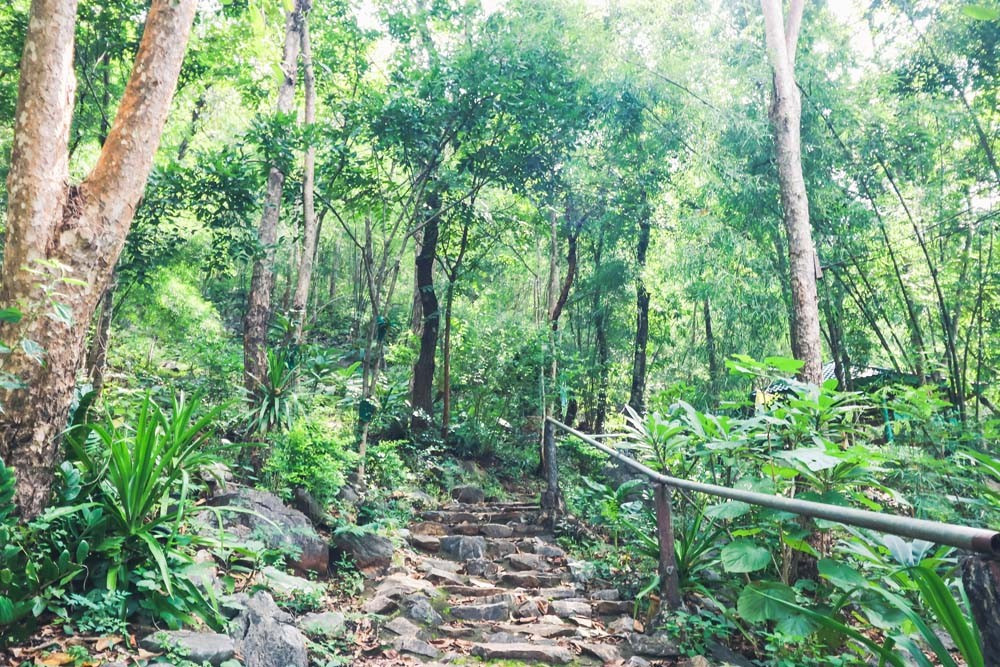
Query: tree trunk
{"x": 453, "y": 273}
{"x": 638, "y": 392}
{"x": 713, "y": 360}
{"x": 78, "y": 229}
{"x": 310, "y": 229}
{"x": 97, "y": 356}
{"x": 785, "y": 114}
{"x": 262, "y": 281}
{"x": 422, "y": 394}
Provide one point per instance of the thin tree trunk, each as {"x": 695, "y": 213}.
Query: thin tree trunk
{"x": 453, "y": 274}
{"x": 713, "y": 361}
{"x": 82, "y": 228}
{"x": 310, "y": 228}
{"x": 422, "y": 394}
{"x": 637, "y": 394}
{"x": 785, "y": 114}
{"x": 258, "y": 310}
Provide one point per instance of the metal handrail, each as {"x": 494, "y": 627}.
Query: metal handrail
{"x": 980, "y": 540}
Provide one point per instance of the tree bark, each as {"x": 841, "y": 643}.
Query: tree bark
{"x": 262, "y": 281}
{"x": 637, "y": 395}
{"x": 453, "y": 274}
{"x": 422, "y": 393}
{"x": 97, "y": 356}
{"x": 785, "y": 114}
{"x": 713, "y": 359}
{"x": 310, "y": 228}
{"x": 75, "y": 233}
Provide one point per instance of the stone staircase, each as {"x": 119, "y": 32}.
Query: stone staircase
{"x": 489, "y": 581}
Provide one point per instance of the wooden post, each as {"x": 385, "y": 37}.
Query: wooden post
{"x": 981, "y": 579}
{"x": 669, "y": 582}
{"x": 551, "y": 499}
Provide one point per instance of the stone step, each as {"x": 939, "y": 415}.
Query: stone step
{"x": 526, "y": 652}
{"x": 454, "y": 518}
{"x": 530, "y": 579}
{"x": 539, "y": 629}
{"x": 493, "y": 611}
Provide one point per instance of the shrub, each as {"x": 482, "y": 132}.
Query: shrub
{"x": 313, "y": 454}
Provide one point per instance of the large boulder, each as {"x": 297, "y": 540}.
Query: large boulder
{"x": 198, "y": 647}
{"x": 265, "y": 635}
{"x": 264, "y": 517}
{"x": 468, "y": 494}
{"x": 367, "y": 549}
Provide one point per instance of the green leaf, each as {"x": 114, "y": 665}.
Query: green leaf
{"x": 784, "y": 364}
{"x": 762, "y": 601}
{"x": 732, "y": 509}
{"x": 6, "y": 610}
{"x": 10, "y": 315}
{"x": 981, "y": 13}
{"x": 813, "y": 458}
{"x": 796, "y": 626}
{"x": 842, "y": 576}
{"x": 82, "y": 551}
{"x": 744, "y": 556}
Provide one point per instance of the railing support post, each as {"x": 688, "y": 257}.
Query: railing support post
{"x": 981, "y": 580}
{"x": 670, "y": 588}
{"x": 552, "y": 502}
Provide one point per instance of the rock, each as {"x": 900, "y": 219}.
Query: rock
{"x": 367, "y": 549}
{"x": 582, "y": 570}
{"x": 428, "y": 564}
{"x": 531, "y": 653}
{"x": 549, "y": 551}
{"x": 611, "y": 607}
{"x": 523, "y": 562}
{"x": 348, "y": 495}
{"x": 416, "y": 647}
{"x": 256, "y": 609}
{"x": 503, "y": 638}
{"x": 468, "y": 494}
{"x": 559, "y": 593}
{"x": 404, "y": 627}
{"x": 439, "y": 576}
{"x": 699, "y": 661}
{"x": 498, "y": 611}
{"x": 429, "y": 528}
{"x": 622, "y": 626}
{"x": 418, "y": 607}
{"x": 496, "y": 530}
{"x": 481, "y": 567}
{"x": 289, "y": 586}
{"x": 398, "y": 586}
{"x": 529, "y": 579}
{"x": 500, "y": 548}
{"x": 232, "y": 605}
{"x": 463, "y": 547}
{"x": 652, "y": 646}
{"x": 567, "y": 608}
{"x": 636, "y": 661}
{"x": 269, "y": 520}
{"x": 380, "y": 604}
{"x": 325, "y": 624}
{"x": 539, "y": 629}
{"x": 419, "y": 498}
{"x": 606, "y": 594}
{"x": 198, "y": 647}
{"x": 273, "y": 644}
{"x": 425, "y": 542}
{"x": 606, "y": 653}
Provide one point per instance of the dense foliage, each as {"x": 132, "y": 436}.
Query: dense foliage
{"x": 506, "y": 194}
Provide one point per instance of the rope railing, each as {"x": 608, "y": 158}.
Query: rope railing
{"x": 978, "y": 540}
